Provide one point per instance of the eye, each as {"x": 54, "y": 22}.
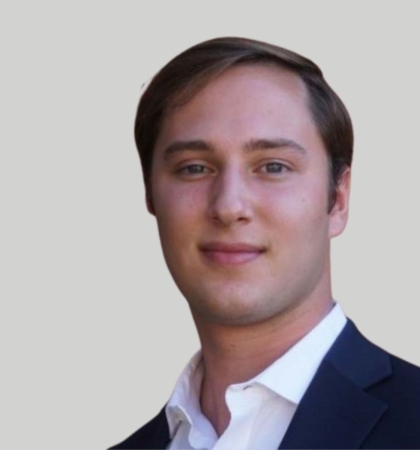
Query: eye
{"x": 274, "y": 167}
{"x": 193, "y": 169}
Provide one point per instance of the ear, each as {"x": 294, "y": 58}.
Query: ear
{"x": 340, "y": 211}
{"x": 149, "y": 204}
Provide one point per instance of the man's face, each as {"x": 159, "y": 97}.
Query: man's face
{"x": 240, "y": 194}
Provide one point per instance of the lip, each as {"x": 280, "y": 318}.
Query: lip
{"x": 234, "y": 253}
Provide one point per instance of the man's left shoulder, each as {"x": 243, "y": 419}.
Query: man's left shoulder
{"x": 399, "y": 427}
{"x": 403, "y": 384}
{"x": 375, "y": 369}
{"x": 381, "y": 380}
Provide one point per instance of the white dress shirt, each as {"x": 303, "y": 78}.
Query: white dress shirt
{"x": 262, "y": 408}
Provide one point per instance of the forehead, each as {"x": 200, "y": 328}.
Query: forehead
{"x": 245, "y": 102}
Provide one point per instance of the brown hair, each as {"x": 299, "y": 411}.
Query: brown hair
{"x": 187, "y": 73}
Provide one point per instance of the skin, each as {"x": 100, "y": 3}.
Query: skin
{"x": 215, "y": 179}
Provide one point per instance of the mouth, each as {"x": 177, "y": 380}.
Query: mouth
{"x": 231, "y": 254}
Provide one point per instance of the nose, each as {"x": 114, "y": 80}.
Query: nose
{"x": 230, "y": 202}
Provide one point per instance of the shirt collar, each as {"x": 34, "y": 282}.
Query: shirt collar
{"x": 290, "y": 375}
{"x": 184, "y": 404}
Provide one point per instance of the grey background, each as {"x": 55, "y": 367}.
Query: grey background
{"x": 93, "y": 330}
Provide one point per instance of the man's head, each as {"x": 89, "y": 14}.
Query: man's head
{"x": 189, "y": 72}
{"x": 240, "y": 180}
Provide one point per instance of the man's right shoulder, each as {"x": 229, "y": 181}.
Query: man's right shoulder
{"x": 153, "y": 435}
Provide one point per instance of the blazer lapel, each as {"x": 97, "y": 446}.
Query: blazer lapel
{"x": 335, "y": 411}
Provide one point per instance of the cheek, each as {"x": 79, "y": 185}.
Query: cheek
{"x": 298, "y": 209}
{"x": 177, "y": 209}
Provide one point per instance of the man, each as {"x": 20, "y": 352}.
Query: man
{"x": 246, "y": 154}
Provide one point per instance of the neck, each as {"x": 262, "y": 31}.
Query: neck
{"x": 233, "y": 354}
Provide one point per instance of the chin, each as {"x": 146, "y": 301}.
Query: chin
{"x": 232, "y": 311}
{"x": 226, "y": 319}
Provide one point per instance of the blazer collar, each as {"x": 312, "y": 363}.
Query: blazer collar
{"x": 335, "y": 411}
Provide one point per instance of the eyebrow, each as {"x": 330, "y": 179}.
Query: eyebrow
{"x": 267, "y": 144}
{"x": 179, "y": 146}
{"x": 252, "y": 145}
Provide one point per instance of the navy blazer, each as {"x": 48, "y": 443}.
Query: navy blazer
{"x": 360, "y": 397}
